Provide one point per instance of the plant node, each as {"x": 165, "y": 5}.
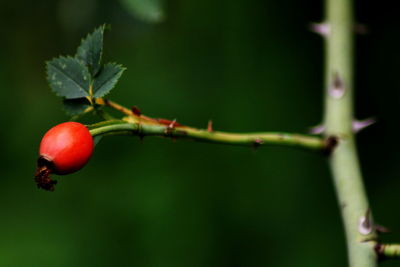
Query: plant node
{"x": 330, "y": 143}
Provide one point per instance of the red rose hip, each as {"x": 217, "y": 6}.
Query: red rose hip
{"x": 64, "y": 149}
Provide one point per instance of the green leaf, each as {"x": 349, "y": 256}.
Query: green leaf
{"x": 75, "y": 106}
{"x": 68, "y": 77}
{"x": 91, "y": 50}
{"x": 146, "y": 10}
{"x": 106, "y": 79}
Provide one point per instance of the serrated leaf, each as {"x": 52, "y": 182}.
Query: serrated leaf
{"x": 107, "y": 79}
{"x": 146, "y": 10}
{"x": 68, "y": 77}
{"x": 75, "y": 106}
{"x": 91, "y": 49}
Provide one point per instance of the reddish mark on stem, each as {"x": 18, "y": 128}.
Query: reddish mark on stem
{"x": 257, "y": 143}
{"x": 171, "y": 124}
{"x": 210, "y": 126}
{"x": 337, "y": 88}
{"x": 330, "y": 144}
{"x": 136, "y": 111}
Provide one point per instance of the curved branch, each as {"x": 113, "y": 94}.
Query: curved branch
{"x": 120, "y": 127}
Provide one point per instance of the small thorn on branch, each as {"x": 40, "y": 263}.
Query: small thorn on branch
{"x": 319, "y": 129}
{"x": 322, "y": 28}
{"x": 381, "y": 229}
{"x": 169, "y": 123}
{"x": 210, "y": 126}
{"x": 365, "y": 225}
{"x": 337, "y": 89}
{"x": 170, "y": 126}
{"x": 361, "y": 125}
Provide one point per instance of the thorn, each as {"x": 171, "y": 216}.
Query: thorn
{"x": 337, "y": 89}
{"x": 361, "y": 125}
{"x": 322, "y": 28}
{"x": 172, "y": 124}
{"x": 168, "y": 122}
{"x": 210, "y": 126}
{"x": 170, "y": 127}
{"x": 135, "y": 110}
{"x": 337, "y": 81}
{"x": 319, "y": 129}
{"x": 365, "y": 225}
{"x": 381, "y": 229}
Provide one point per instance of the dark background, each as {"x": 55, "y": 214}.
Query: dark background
{"x": 248, "y": 66}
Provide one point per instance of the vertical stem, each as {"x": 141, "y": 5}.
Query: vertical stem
{"x": 357, "y": 218}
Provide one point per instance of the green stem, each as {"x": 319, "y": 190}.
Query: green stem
{"x": 388, "y": 250}
{"x": 357, "y": 218}
{"x": 245, "y": 139}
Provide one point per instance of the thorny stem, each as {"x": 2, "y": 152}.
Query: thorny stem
{"x": 353, "y": 202}
{"x": 120, "y": 127}
{"x": 137, "y": 124}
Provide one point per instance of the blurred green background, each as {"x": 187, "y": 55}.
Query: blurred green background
{"x": 248, "y": 66}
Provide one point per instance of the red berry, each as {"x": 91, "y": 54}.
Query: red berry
{"x": 64, "y": 149}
